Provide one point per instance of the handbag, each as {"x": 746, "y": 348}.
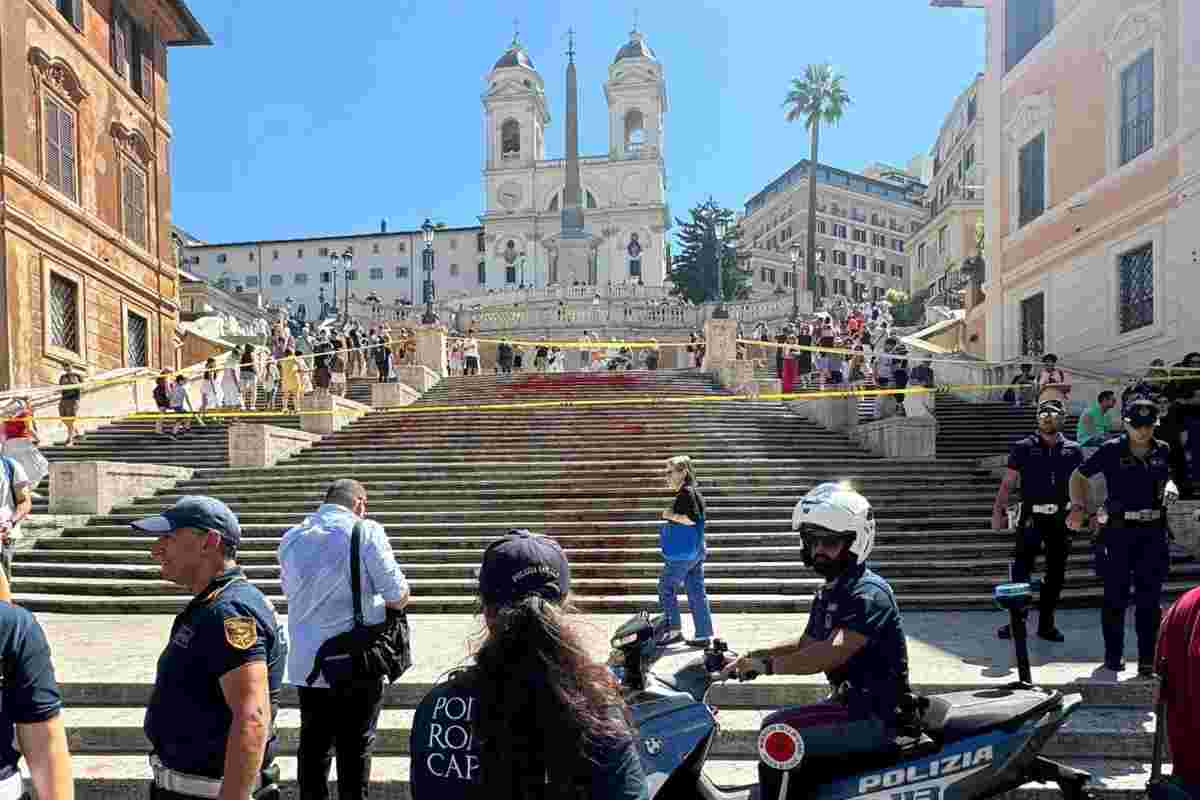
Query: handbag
{"x": 365, "y": 653}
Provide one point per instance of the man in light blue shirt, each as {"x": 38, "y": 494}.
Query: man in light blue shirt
{"x": 314, "y": 562}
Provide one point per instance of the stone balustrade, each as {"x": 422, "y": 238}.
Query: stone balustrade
{"x": 584, "y": 292}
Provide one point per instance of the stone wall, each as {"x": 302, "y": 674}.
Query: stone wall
{"x": 96, "y": 487}
{"x": 259, "y": 446}
{"x": 900, "y": 437}
{"x": 325, "y": 414}
{"x": 384, "y": 395}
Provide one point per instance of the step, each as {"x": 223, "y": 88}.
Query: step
{"x": 125, "y": 778}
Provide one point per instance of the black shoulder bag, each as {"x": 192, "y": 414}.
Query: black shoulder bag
{"x": 365, "y": 653}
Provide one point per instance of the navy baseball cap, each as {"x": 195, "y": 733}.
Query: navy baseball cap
{"x": 523, "y": 564}
{"x": 1052, "y": 407}
{"x": 1141, "y": 412}
{"x": 195, "y": 511}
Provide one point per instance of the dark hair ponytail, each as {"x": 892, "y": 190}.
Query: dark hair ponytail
{"x": 544, "y": 705}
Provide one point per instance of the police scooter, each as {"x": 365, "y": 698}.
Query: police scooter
{"x": 957, "y": 746}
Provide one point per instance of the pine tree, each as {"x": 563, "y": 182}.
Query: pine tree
{"x": 692, "y": 267}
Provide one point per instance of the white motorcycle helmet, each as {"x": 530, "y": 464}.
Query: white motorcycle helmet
{"x": 836, "y": 508}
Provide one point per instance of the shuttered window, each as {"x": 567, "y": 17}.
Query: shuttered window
{"x": 72, "y": 10}
{"x": 133, "y": 202}
{"x": 132, "y": 51}
{"x": 1026, "y": 22}
{"x": 1031, "y": 164}
{"x": 1137, "y": 107}
{"x": 59, "y": 123}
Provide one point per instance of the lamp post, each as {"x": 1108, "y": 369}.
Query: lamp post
{"x": 720, "y": 228}
{"x": 335, "y": 263}
{"x": 347, "y": 262}
{"x": 427, "y": 231}
{"x": 374, "y": 300}
{"x": 522, "y": 285}
{"x": 794, "y": 252}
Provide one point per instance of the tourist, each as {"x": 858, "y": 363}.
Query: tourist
{"x": 322, "y": 374}
{"x": 788, "y": 376}
{"x": 290, "y": 381}
{"x": 231, "y": 384}
{"x": 68, "y": 402}
{"x": 248, "y": 377}
{"x": 1023, "y": 387}
{"x": 1052, "y": 382}
{"x": 181, "y": 403}
{"x": 383, "y": 356}
{"x": 471, "y": 355}
{"x": 556, "y": 360}
{"x": 16, "y": 501}
{"x": 210, "y": 388}
{"x": 652, "y": 355}
{"x": 540, "y": 356}
{"x": 922, "y": 374}
{"x": 504, "y": 357}
{"x": 162, "y": 398}
{"x": 21, "y": 441}
{"x": 538, "y": 716}
{"x": 1095, "y": 425}
{"x": 356, "y": 364}
{"x": 272, "y": 382}
{"x": 1177, "y": 661}
{"x": 31, "y": 722}
{"x": 682, "y": 542}
{"x": 1185, "y": 401}
{"x": 315, "y": 571}
{"x": 211, "y": 715}
{"x": 456, "y": 358}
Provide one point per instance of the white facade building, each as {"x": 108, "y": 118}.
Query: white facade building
{"x": 624, "y": 193}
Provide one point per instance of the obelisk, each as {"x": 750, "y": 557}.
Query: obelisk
{"x": 574, "y": 243}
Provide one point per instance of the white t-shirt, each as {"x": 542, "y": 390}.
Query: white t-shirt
{"x": 19, "y": 479}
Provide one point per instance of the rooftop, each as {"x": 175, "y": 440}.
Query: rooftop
{"x": 335, "y": 238}
{"x": 855, "y": 182}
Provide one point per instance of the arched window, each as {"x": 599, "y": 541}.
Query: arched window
{"x": 510, "y": 139}
{"x": 635, "y": 131}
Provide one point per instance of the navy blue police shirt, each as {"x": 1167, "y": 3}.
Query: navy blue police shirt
{"x": 1045, "y": 471}
{"x": 1134, "y": 484}
{"x": 229, "y": 624}
{"x": 30, "y": 693}
{"x": 861, "y": 601}
{"x": 445, "y": 753}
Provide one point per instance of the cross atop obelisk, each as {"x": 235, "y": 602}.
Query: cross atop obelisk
{"x": 572, "y": 209}
{"x": 571, "y": 45}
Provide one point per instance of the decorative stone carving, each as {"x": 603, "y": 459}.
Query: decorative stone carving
{"x": 57, "y": 73}
{"x": 1134, "y": 26}
{"x": 132, "y": 143}
{"x": 1032, "y": 113}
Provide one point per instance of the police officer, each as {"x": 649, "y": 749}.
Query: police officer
{"x": 210, "y": 720}
{"x": 854, "y": 635}
{"x": 31, "y": 723}
{"x": 1044, "y": 462}
{"x": 1131, "y": 547}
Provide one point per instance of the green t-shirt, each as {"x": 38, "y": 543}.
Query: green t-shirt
{"x": 1093, "y": 424}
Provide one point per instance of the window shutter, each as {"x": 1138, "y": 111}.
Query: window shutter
{"x": 139, "y": 207}
{"x": 67, "y": 143}
{"x": 1045, "y": 20}
{"x": 53, "y": 150}
{"x": 1038, "y": 178}
{"x": 120, "y": 47}
{"x": 77, "y": 14}
{"x": 145, "y": 54}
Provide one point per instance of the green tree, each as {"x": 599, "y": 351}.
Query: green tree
{"x": 817, "y": 97}
{"x": 692, "y": 266}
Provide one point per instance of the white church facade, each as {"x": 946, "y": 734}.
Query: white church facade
{"x": 623, "y": 191}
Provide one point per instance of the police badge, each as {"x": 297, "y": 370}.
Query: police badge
{"x": 240, "y": 632}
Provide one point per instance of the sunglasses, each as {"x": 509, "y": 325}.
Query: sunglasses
{"x": 1047, "y": 414}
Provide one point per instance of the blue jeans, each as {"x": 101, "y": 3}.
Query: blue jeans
{"x": 691, "y": 575}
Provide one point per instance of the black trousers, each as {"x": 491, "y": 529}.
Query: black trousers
{"x": 1049, "y": 533}
{"x": 341, "y": 719}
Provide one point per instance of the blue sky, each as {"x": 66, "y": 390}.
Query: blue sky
{"x": 304, "y": 123}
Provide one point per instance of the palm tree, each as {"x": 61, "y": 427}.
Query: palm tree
{"x": 817, "y": 97}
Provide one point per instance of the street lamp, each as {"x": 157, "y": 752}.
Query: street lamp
{"x": 522, "y": 286}
{"x": 345, "y": 260}
{"x": 374, "y": 300}
{"x": 427, "y": 230}
{"x": 795, "y": 254}
{"x": 720, "y": 228}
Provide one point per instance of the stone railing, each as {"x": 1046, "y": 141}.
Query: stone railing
{"x": 614, "y": 313}
{"x": 569, "y": 293}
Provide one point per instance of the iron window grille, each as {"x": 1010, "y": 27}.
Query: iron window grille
{"x": 137, "y": 339}
{"x": 1137, "y": 288}
{"x": 64, "y": 313}
{"x": 1033, "y": 325}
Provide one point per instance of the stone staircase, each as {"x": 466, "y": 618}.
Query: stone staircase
{"x": 445, "y": 483}
{"x": 978, "y": 429}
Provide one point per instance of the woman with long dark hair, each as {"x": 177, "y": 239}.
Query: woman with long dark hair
{"x": 535, "y": 716}
{"x": 682, "y": 542}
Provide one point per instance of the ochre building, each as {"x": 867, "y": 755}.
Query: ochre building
{"x": 88, "y": 269}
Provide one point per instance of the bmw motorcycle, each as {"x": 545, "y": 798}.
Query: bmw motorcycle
{"x": 957, "y": 746}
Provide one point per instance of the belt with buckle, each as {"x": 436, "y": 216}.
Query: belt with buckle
{"x": 1146, "y": 515}
{"x": 1045, "y": 508}
{"x": 172, "y": 780}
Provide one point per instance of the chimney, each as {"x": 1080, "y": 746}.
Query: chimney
{"x": 383, "y": 226}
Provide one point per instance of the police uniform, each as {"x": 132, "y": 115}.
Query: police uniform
{"x": 1131, "y": 549}
{"x": 1045, "y": 500}
{"x": 28, "y": 693}
{"x": 226, "y": 626}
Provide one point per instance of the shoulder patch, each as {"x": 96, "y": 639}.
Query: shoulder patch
{"x": 240, "y": 632}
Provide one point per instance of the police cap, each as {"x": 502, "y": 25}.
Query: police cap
{"x": 1141, "y": 412}
{"x": 1051, "y": 407}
